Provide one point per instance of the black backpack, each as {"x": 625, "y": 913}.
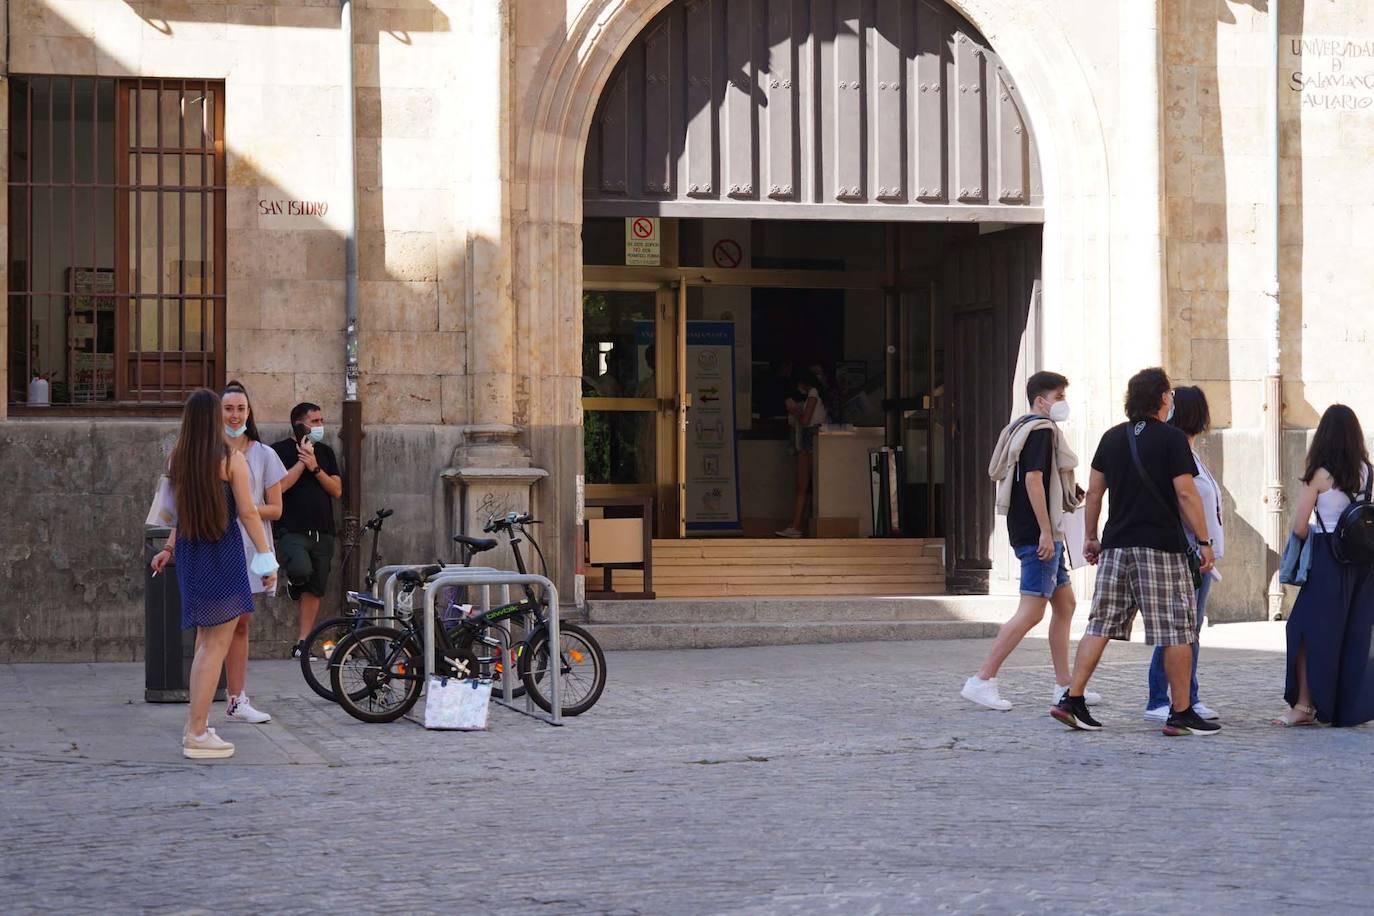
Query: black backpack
{"x": 1353, "y": 540}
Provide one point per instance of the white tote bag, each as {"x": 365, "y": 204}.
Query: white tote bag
{"x": 451, "y": 703}
{"x": 1073, "y": 539}
{"x": 163, "y": 512}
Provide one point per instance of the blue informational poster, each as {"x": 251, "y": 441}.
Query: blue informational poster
{"x": 712, "y": 468}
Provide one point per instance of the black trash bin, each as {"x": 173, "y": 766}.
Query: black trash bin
{"x": 167, "y": 649}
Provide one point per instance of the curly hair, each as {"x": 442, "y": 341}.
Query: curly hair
{"x": 1145, "y": 393}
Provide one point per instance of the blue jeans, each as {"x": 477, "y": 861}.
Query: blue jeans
{"x": 1159, "y": 682}
{"x": 1042, "y": 578}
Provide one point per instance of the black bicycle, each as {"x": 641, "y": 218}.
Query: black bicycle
{"x": 364, "y": 608}
{"x": 377, "y": 671}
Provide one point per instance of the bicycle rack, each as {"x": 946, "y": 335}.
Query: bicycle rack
{"x": 387, "y": 576}
{"x": 486, "y": 577}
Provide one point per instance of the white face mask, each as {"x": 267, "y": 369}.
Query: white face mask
{"x": 1059, "y": 411}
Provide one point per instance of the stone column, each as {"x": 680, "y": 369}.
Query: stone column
{"x": 491, "y": 471}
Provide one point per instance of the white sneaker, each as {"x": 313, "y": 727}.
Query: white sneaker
{"x": 1206, "y": 712}
{"x": 242, "y": 711}
{"x": 206, "y": 746}
{"x": 1091, "y": 697}
{"x": 1158, "y": 714}
{"x": 984, "y": 693}
{"x": 788, "y": 533}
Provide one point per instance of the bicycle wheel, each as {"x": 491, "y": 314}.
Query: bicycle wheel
{"x": 319, "y": 649}
{"x": 376, "y": 673}
{"x": 582, "y": 670}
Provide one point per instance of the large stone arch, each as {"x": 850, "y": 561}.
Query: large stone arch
{"x": 549, "y": 140}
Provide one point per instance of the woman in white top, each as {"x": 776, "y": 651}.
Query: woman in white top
{"x": 1191, "y": 415}
{"x": 807, "y": 412}
{"x": 1330, "y": 676}
{"x": 265, "y": 472}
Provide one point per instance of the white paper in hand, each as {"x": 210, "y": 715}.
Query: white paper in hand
{"x": 1073, "y": 539}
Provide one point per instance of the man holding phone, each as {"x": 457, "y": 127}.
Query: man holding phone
{"x": 305, "y": 539}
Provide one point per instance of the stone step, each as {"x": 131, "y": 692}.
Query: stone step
{"x": 826, "y": 610}
{"x": 613, "y": 636}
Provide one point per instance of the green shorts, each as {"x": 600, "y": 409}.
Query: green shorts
{"x": 305, "y": 560}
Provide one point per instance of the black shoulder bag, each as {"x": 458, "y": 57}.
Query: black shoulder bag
{"x": 1194, "y": 560}
{"x": 1352, "y": 542}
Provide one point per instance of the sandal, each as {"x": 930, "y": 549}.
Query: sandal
{"x": 1299, "y": 715}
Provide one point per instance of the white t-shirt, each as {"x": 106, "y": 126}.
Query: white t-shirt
{"x": 264, "y": 470}
{"x": 818, "y": 416}
{"x": 1331, "y": 503}
{"x": 1210, "y": 491}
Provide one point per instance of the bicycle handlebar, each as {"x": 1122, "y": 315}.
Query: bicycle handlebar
{"x": 507, "y": 522}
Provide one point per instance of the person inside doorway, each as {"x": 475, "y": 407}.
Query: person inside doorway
{"x": 311, "y": 485}
{"x": 806, "y": 412}
{"x": 1033, "y": 467}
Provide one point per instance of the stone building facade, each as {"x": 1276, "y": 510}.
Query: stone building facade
{"x": 472, "y": 123}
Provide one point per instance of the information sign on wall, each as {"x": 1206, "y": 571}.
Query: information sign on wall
{"x": 712, "y": 474}
{"x": 642, "y": 241}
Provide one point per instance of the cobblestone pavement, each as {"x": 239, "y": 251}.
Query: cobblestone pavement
{"x": 843, "y": 778}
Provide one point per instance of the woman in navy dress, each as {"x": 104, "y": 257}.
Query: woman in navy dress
{"x": 1330, "y": 677}
{"x": 211, "y": 488}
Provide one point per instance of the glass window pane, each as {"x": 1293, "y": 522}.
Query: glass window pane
{"x": 618, "y": 344}
{"x": 105, "y": 133}
{"x": 20, "y": 153}
{"x": 41, "y": 151}
{"x": 62, "y": 129}
{"x": 619, "y": 446}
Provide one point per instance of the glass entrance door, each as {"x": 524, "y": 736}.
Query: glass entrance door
{"x": 628, "y": 401}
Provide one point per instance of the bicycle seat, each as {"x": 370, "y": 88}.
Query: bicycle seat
{"x": 476, "y": 545}
{"x": 417, "y": 576}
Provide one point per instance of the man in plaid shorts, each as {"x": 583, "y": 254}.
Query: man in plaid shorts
{"x": 1142, "y": 560}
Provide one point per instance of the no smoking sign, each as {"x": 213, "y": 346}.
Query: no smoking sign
{"x": 642, "y": 241}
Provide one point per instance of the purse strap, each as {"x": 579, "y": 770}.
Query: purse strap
{"x": 1131, "y": 433}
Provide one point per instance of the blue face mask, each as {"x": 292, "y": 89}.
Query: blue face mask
{"x": 1171, "y": 414}
{"x": 317, "y": 434}
{"x": 233, "y": 433}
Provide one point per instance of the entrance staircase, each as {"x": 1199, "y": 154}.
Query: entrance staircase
{"x": 719, "y": 593}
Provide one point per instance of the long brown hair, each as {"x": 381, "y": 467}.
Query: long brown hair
{"x": 1338, "y": 445}
{"x": 250, "y": 429}
{"x": 202, "y": 514}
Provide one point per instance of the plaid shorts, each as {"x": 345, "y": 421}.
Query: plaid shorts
{"x": 1155, "y": 582}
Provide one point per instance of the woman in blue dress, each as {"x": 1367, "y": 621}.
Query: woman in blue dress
{"x": 211, "y": 489}
{"x": 1330, "y": 676}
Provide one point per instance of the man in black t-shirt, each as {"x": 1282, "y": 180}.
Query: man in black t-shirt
{"x": 1146, "y": 468}
{"x": 1027, "y": 462}
{"x": 305, "y": 532}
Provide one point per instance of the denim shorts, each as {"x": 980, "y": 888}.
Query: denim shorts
{"x": 1042, "y": 578}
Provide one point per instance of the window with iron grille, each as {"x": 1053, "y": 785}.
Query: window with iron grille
{"x": 117, "y": 238}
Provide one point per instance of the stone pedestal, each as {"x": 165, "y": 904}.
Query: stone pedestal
{"x": 489, "y": 478}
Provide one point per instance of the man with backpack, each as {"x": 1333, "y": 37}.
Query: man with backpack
{"x": 1144, "y": 562}
{"x": 1034, "y": 470}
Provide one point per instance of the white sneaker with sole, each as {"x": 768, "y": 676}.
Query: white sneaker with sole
{"x": 1091, "y": 697}
{"x": 984, "y": 693}
{"x": 788, "y": 533}
{"x": 241, "y": 710}
{"x": 1157, "y": 714}
{"x": 205, "y": 747}
{"x": 1206, "y": 712}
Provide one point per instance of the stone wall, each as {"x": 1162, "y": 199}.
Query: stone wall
{"x": 75, "y": 496}
{"x": 282, "y": 63}
{"x": 1216, "y": 136}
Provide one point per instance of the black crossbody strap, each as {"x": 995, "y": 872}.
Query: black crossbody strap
{"x": 1150, "y": 484}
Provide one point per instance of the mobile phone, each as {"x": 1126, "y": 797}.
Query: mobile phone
{"x": 301, "y": 432}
